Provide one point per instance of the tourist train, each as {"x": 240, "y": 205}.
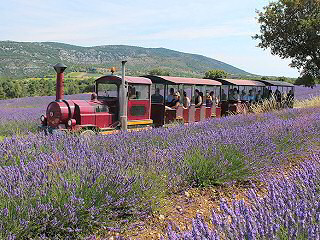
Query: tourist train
{"x": 125, "y": 102}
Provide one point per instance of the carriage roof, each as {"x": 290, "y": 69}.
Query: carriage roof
{"x": 241, "y": 82}
{"x": 182, "y": 80}
{"x": 276, "y": 83}
{"x": 113, "y": 79}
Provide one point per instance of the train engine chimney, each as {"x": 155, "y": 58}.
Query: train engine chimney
{"x": 60, "y": 80}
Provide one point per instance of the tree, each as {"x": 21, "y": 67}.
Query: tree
{"x": 282, "y": 79}
{"x": 291, "y": 29}
{"x": 306, "y": 79}
{"x": 2, "y": 93}
{"x": 215, "y": 74}
{"x": 159, "y": 72}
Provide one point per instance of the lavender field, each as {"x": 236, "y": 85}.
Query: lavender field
{"x": 306, "y": 92}
{"x": 69, "y": 187}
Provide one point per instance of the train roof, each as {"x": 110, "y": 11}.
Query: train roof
{"x": 182, "y": 80}
{"x": 113, "y": 79}
{"x": 276, "y": 83}
{"x": 241, "y": 82}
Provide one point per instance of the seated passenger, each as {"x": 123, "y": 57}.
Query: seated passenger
{"x": 198, "y": 98}
{"x": 132, "y": 92}
{"x": 170, "y": 97}
{"x": 215, "y": 100}
{"x": 258, "y": 97}
{"x": 231, "y": 95}
{"x": 251, "y": 97}
{"x": 157, "y": 97}
{"x": 223, "y": 95}
{"x": 94, "y": 97}
{"x": 175, "y": 103}
{"x": 290, "y": 99}
{"x": 278, "y": 96}
{"x": 138, "y": 95}
{"x": 186, "y": 100}
{"x": 209, "y": 101}
{"x": 243, "y": 96}
{"x": 236, "y": 94}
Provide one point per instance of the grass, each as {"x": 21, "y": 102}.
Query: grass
{"x": 269, "y": 105}
{"x": 308, "y": 103}
{"x": 209, "y": 170}
{"x": 17, "y": 128}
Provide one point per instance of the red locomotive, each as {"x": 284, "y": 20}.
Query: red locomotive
{"x": 103, "y": 112}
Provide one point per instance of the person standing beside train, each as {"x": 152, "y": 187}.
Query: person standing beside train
{"x": 157, "y": 97}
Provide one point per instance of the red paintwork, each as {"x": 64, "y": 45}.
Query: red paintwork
{"x": 218, "y": 112}
{"x": 82, "y": 111}
{"x": 208, "y": 112}
{"x": 135, "y": 102}
{"x": 186, "y": 115}
{"x": 197, "y": 115}
{"x": 60, "y": 86}
{"x": 104, "y": 120}
{"x": 60, "y": 112}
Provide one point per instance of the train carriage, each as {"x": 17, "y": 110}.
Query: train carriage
{"x": 185, "y": 86}
{"x": 233, "y": 92}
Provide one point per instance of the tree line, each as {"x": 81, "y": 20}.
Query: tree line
{"x": 10, "y": 88}
{"x": 42, "y": 87}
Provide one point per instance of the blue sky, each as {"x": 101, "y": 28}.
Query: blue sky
{"x": 218, "y": 29}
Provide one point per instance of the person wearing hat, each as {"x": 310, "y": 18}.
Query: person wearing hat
{"x": 94, "y": 97}
{"x": 175, "y": 103}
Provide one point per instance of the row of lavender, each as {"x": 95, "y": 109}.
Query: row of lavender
{"x": 68, "y": 186}
{"x": 306, "y": 92}
{"x": 291, "y": 210}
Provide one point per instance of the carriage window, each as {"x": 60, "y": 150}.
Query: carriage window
{"x": 224, "y": 93}
{"x": 138, "y": 91}
{"x": 217, "y": 90}
{"x": 107, "y": 90}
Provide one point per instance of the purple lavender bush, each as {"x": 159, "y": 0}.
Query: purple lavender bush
{"x": 302, "y": 93}
{"x": 65, "y": 186}
{"x": 291, "y": 210}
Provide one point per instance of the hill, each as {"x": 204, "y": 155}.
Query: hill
{"x": 22, "y": 59}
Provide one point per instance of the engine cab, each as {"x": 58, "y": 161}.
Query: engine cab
{"x": 138, "y": 99}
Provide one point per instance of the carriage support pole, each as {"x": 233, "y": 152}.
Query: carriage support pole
{"x": 124, "y": 102}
